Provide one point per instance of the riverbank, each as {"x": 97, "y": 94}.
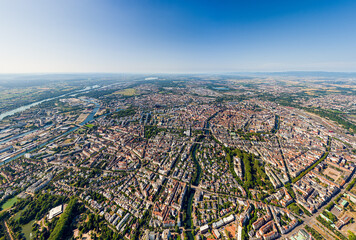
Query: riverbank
{"x": 42, "y": 144}
{"x": 28, "y": 106}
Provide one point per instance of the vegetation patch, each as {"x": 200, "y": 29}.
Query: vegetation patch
{"x": 328, "y": 225}
{"x": 62, "y": 226}
{"x": 123, "y": 113}
{"x": 152, "y": 131}
{"x": 89, "y": 125}
{"x": 314, "y": 233}
{"x": 127, "y": 92}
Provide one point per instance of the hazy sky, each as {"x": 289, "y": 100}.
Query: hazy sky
{"x": 176, "y": 36}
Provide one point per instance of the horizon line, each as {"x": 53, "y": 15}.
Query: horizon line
{"x": 188, "y": 72}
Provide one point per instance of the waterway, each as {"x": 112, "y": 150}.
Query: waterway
{"x": 221, "y": 88}
{"x": 87, "y": 120}
{"x": 190, "y": 194}
{"x": 23, "y": 108}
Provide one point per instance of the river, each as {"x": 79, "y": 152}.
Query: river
{"x": 87, "y": 120}
{"x": 23, "y": 108}
{"x": 190, "y": 194}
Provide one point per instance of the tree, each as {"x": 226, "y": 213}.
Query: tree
{"x": 352, "y": 236}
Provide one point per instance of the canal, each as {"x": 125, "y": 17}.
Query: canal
{"x": 87, "y": 120}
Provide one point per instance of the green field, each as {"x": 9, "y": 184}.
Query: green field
{"x": 9, "y": 203}
{"x": 17, "y": 215}
{"x": 127, "y": 92}
{"x": 27, "y": 229}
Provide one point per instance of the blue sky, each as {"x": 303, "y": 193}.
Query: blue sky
{"x": 177, "y": 36}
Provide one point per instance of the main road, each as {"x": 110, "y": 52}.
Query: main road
{"x": 308, "y": 220}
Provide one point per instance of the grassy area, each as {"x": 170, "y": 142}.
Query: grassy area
{"x": 127, "y": 92}
{"x": 27, "y": 229}
{"x": 295, "y": 209}
{"x": 18, "y": 214}
{"x": 89, "y": 125}
{"x": 2, "y": 179}
{"x": 9, "y": 203}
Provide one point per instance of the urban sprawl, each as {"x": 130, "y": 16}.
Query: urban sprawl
{"x": 182, "y": 159}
